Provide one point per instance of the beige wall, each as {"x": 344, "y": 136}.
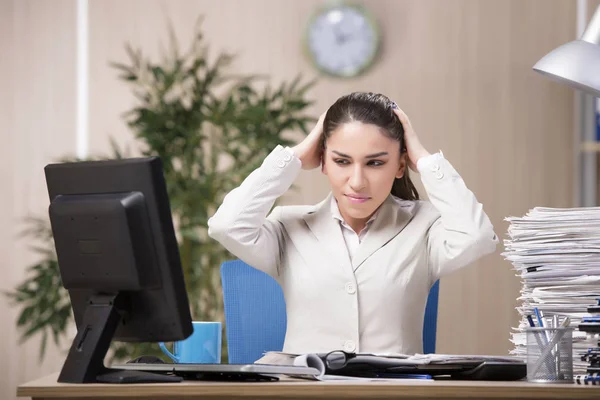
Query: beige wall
{"x": 37, "y": 124}
{"x": 461, "y": 69}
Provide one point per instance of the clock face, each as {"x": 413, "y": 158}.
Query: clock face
{"x": 342, "y": 40}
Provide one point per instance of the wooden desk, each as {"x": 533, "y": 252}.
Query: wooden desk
{"x": 47, "y": 388}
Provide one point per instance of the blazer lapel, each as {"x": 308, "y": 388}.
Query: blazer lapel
{"x": 328, "y": 232}
{"x": 390, "y": 220}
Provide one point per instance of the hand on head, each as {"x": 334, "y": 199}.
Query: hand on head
{"x": 309, "y": 150}
{"x": 414, "y": 148}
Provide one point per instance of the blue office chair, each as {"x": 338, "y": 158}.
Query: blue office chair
{"x": 255, "y": 315}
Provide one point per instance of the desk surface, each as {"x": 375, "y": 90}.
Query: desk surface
{"x": 48, "y": 388}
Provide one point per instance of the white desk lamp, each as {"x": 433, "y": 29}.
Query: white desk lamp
{"x": 576, "y": 63}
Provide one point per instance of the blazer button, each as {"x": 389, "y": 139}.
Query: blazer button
{"x": 439, "y": 175}
{"x": 350, "y": 288}
{"x": 287, "y": 157}
{"x": 281, "y": 164}
{"x": 349, "y": 346}
{"x": 435, "y": 167}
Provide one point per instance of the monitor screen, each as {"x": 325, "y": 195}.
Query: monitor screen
{"x": 118, "y": 257}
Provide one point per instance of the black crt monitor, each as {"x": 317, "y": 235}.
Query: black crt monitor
{"x": 119, "y": 260}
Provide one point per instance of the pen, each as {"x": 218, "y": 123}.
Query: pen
{"x": 557, "y": 357}
{"x": 402, "y": 376}
{"x": 531, "y": 323}
{"x": 590, "y": 379}
{"x": 538, "y": 316}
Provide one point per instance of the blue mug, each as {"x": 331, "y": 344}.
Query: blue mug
{"x": 203, "y": 346}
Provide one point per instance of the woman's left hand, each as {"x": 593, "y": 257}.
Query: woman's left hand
{"x": 414, "y": 148}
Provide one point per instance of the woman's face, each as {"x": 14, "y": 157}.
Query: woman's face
{"x": 361, "y": 164}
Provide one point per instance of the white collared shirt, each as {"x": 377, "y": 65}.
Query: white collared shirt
{"x": 351, "y": 238}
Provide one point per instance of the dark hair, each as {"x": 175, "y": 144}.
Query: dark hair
{"x": 376, "y": 109}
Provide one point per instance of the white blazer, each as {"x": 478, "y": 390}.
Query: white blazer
{"x": 375, "y": 302}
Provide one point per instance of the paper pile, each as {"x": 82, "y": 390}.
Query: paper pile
{"x": 556, "y": 253}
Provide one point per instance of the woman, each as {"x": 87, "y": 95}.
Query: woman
{"x": 356, "y": 269}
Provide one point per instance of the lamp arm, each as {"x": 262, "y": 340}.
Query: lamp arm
{"x": 592, "y": 32}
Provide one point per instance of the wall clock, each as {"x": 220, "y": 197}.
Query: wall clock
{"x": 342, "y": 39}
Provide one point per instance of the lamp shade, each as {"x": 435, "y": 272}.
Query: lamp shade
{"x": 576, "y": 63}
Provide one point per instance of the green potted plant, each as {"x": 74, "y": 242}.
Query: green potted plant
{"x": 210, "y": 128}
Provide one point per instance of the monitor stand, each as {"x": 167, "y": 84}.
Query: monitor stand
{"x": 85, "y": 361}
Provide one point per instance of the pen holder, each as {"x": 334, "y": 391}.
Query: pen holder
{"x": 550, "y": 355}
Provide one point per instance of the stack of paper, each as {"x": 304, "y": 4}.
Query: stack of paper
{"x": 556, "y": 253}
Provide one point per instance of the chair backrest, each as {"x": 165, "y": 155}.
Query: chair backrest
{"x": 255, "y": 315}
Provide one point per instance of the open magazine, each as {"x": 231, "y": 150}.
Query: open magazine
{"x": 400, "y": 366}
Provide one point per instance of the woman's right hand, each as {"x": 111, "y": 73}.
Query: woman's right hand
{"x": 309, "y": 151}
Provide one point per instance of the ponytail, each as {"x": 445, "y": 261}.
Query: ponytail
{"x": 404, "y": 189}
